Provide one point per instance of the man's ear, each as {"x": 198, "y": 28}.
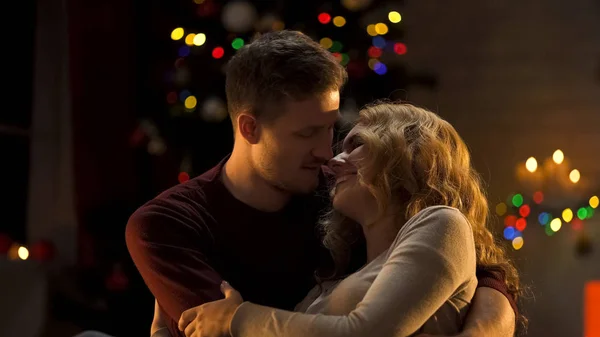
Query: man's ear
{"x": 249, "y": 128}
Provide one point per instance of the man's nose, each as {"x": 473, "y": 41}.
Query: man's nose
{"x": 324, "y": 152}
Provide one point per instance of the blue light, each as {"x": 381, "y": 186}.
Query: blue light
{"x": 379, "y": 42}
{"x": 509, "y": 233}
{"x": 184, "y": 51}
{"x": 543, "y": 218}
{"x": 380, "y": 68}
{"x": 183, "y": 95}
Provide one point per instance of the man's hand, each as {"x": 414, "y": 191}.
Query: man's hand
{"x": 490, "y": 316}
{"x": 211, "y": 319}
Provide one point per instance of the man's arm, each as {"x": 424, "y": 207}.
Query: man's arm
{"x": 166, "y": 245}
{"x": 490, "y": 315}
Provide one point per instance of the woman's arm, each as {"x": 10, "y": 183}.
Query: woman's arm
{"x": 434, "y": 256}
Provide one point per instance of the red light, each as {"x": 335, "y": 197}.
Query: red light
{"x": 324, "y": 18}
{"x": 577, "y": 224}
{"x": 172, "y": 97}
{"x": 337, "y": 56}
{"x": 375, "y": 52}
{"x": 510, "y": 221}
{"x": 400, "y": 48}
{"x": 521, "y": 224}
{"x": 183, "y": 177}
{"x": 524, "y": 211}
{"x": 538, "y": 197}
{"x": 218, "y": 52}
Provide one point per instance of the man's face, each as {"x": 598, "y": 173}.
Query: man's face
{"x": 293, "y": 147}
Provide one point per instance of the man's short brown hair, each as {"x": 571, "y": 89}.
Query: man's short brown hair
{"x": 277, "y": 66}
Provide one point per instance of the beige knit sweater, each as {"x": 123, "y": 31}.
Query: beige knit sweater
{"x": 423, "y": 283}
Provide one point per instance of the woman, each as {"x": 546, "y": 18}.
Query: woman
{"x": 405, "y": 182}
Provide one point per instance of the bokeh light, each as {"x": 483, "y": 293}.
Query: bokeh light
{"x": 567, "y": 215}
{"x": 521, "y": 224}
{"x": 582, "y": 213}
{"x": 326, "y": 42}
{"x": 199, "y": 39}
{"x": 371, "y": 30}
{"x": 531, "y": 164}
{"x": 339, "y": 21}
{"x": 380, "y": 68}
{"x": 518, "y": 242}
{"x": 509, "y": 233}
{"x": 594, "y": 202}
{"x": 394, "y": 17}
{"x": 177, "y": 33}
{"x": 555, "y": 224}
{"x": 190, "y": 102}
{"x": 543, "y": 218}
{"x": 558, "y": 156}
{"x": 324, "y": 18}
{"x": 374, "y": 52}
{"x": 189, "y": 39}
{"x": 524, "y": 211}
{"x": 510, "y": 221}
{"x": 336, "y": 47}
{"x": 237, "y": 43}
{"x": 379, "y": 42}
{"x": 400, "y": 48}
{"x": 517, "y": 200}
{"x": 575, "y": 176}
{"x": 538, "y": 197}
{"x": 218, "y": 52}
{"x": 23, "y": 253}
{"x": 381, "y": 28}
{"x": 501, "y": 209}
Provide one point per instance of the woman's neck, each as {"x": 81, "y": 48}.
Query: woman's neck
{"x": 380, "y": 235}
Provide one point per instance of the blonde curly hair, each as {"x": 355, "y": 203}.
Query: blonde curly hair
{"x": 414, "y": 153}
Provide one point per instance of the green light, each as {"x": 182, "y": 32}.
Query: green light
{"x": 345, "y": 59}
{"x": 237, "y": 43}
{"x": 517, "y": 200}
{"x": 336, "y": 47}
{"x": 548, "y": 230}
{"x": 590, "y": 212}
{"x": 582, "y": 213}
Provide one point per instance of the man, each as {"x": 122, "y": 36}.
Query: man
{"x": 251, "y": 220}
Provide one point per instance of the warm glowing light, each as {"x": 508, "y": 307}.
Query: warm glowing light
{"x": 567, "y": 215}
{"x": 339, "y": 21}
{"x": 525, "y": 210}
{"x": 517, "y": 243}
{"x": 521, "y": 224}
{"x": 326, "y": 42}
{"x": 23, "y": 253}
{"x": 555, "y": 224}
{"x": 394, "y": 17}
{"x": 371, "y": 30}
{"x": 190, "y": 102}
{"x": 381, "y": 28}
{"x": 558, "y": 156}
{"x": 575, "y": 176}
{"x": 594, "y": 202}
{"x": 501, "y": 209}
{"x": 531, "y": 164}
{"x": 218, "y": 52}
{"x": 177, "y": 34}
{"x": 517, "y": 200}
{"x": 400, "y": 48}
{"x": 199, "y": 39}
{"x": 372, "y": 63}
{"x": 189, "y": 39}
{"x": 183, "y": 177}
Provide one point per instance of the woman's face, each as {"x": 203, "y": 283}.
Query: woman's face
{"x": 350, "y": 197}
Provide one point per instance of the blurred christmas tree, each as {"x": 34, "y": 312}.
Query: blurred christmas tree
{"x": 366, "y": 36}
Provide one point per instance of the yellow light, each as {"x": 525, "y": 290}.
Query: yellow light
{"x": 189, "y": 39}
{"x": 555, "y": 224}
{"x": 23, "y": 253}
{"x": 198, "y": 1}
{"x": 531, "y": 164}
{"x": 594, "y": 201}
{"x": 394, "y": 17}
{"x": 381, "y": 28}
{"x": 278, "y": 25}
{"x": 326, "y": 42}
{"x": 567, "y": 215}
{"x": 199, "y": 39}
{"x": 371, "y": 30}
{"x": 501, "y": 209}
{"x": 372, "y": 63}
{"x": 558, "y": 156}
{"x": 517, "y": 243}
{"x": 177, "y": 33}
{"x": 190, "y": 102}
{"x": 575, "y": 176}
{"x": 339, "y": 21}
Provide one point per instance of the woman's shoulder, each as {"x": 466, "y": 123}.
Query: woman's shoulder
{"x": 435, "y": 216}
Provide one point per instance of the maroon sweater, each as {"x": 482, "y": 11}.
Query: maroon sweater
{"x": 194, "y": 235}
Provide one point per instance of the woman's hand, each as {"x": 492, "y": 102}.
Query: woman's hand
{"x": 211, "y": 319}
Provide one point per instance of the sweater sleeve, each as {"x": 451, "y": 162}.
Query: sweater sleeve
{"x": 432, "y": 257}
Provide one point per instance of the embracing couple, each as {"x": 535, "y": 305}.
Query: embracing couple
{"x": 282, "y": 238}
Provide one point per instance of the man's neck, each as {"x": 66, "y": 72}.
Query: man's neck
{"x": 242, "y": 181}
